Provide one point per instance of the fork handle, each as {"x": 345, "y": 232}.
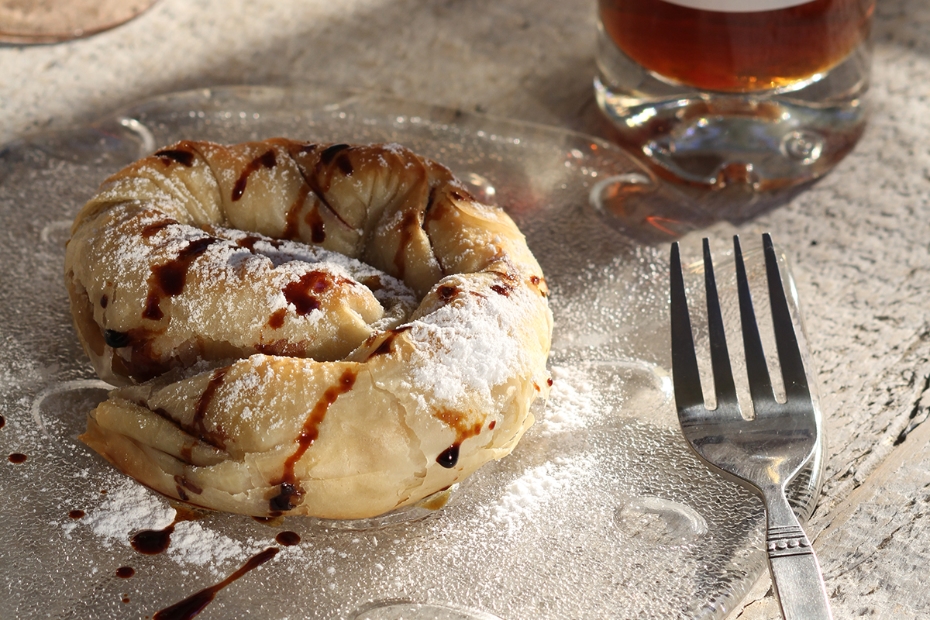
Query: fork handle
{"x": 796, "y": 574}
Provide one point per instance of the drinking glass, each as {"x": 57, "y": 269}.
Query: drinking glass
{"x": 768, "y": 93}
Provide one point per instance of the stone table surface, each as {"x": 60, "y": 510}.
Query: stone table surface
{"x": 859, "y": 240}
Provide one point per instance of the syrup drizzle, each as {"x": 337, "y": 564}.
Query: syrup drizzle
{"x": 267, "y": 160}
{"x": 185, "y": 158}
{"x": 116, "y": 339}
{"x": 317, "y": 228}
{"x": 449, "y": 457}
{"x": 302, "y": 293}
{"x": 200, "y": 411}
{"x": 168, "y": 280}
{"x": 409, "y": 223}
{"x": 290, "y": 492}
{"x": 292, "y": 220}
{"x": 328, "y": 156}
{"x": 386, "y": 346}
{"x": 150, "y": 230}
{"x": 276, "y": 320}
{"x": 197, "y": 602}
{"x": 313, "y": 181}
{"x": 287, "y": 538}
{"x": 153, "y": 542}
{"x": 447, "y": 292}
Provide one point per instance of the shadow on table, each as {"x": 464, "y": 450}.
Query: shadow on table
{"x": 668, "y": 211}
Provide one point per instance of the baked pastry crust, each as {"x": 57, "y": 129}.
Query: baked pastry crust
{"x": 325, "y": 330}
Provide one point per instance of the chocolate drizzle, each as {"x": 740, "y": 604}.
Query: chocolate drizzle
{"x": 317, "y": 228}
{"x": 276, "y": 320}
{"x": 507, "y": 283}
{"x": 143, "y": 364}
{"x": 197, "y": 602}
{"x": 248, "y": 242}
{"x": 153, "y": 542}
{"x": 328, "y": 156}
{"x": 386, "y": 347}
{"x": 302, "y": 293}
{"x": 319, "y": 179}
{"x": 185, "y": 158}
{"x": 287, "y": 538}
{"x": 203, "y": 403}
{"x": 540, "y": 284}
{"x": 449, "y": 457}
{"x": 409, "y": 224}
{"x": 433, "y": 211}
{"x": 290, "y": 492}
{"x": 292, "y": 219}
{"x": 168, "y": 279}
{"x": 116, "y": 339}
{"x": 447, "y": 293}
{"x": 288, "y": 498}
{"x": 150, "y": 230}
{"x": 183, "y": 485}
{"x": 268, "y": 160}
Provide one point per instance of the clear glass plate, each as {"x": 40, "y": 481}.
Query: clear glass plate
{"x": 24, "y": 22}
{"x": 601, "y": 511}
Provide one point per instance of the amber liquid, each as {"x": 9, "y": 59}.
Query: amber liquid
{"x": 737, "y": 52}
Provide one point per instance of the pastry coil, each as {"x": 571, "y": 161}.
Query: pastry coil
{"x": 325, "y": 330}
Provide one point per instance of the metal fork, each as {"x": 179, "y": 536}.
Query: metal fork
{"x": 765, "y": 453}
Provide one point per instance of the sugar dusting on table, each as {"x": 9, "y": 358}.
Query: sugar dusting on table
{"x": 525, "y": 497}
{"x": 128, "y": 508}
{"x": 573, "y": 405}
{"x": 573, "y": 402}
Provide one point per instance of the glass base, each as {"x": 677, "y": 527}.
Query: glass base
{"x": 768, "y": 140}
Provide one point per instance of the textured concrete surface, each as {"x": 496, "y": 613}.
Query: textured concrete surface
{"x": 859, "y": 240}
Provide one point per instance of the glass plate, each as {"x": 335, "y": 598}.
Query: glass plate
{"x": 601, "y": 511}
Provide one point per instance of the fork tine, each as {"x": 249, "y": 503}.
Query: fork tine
{"x": 760, "y": 385}
{"x": 724, "y": 387}
{"x": 789, "y": 354}
{"x": 687, "y": 380}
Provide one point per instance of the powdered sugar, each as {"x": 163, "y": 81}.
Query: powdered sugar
{"x": 127, "y": 508}
{"x": 573, "y": 402}
{"x": 192, "y": 543}
{"x": 527, "y": 495}
{"x": 469, "y": 346}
